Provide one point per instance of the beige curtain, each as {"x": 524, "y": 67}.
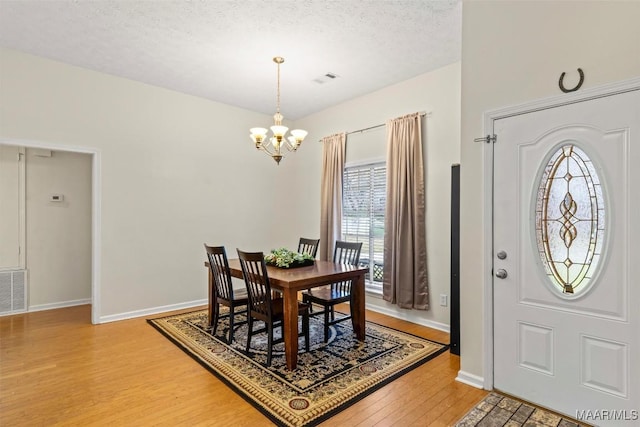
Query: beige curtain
{"x": 405, "y": 246}
{"x": 333, "y": 154}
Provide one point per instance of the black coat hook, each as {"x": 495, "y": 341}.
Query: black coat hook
{"x": 564, "y": 89}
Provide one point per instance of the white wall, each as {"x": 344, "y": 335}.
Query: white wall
{"x": 513, "y": 52}
{"x": 437, "y": 92}
{"x": 176, "y": 171}
{"x": 58, "y": 233}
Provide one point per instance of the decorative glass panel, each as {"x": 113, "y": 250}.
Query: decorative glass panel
{"x": 570, "y": 218}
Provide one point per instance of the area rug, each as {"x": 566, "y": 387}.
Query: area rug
{"x": 329, "y": 378}
{"x": 496, "y": 410}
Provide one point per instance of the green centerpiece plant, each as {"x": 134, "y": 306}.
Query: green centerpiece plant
{"x": 284, "y": 258}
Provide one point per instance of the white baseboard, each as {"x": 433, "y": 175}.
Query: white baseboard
{"x": 62, "y": 304}
{"x": 409, "y": 317}
{"x": 470, "y": 379}
{"x": 153, "y": 310}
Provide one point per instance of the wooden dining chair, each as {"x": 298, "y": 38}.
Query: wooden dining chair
{"x": 336, "y": 293}
{"x": 223, "y": 292}
{"x": 262, "y": 305}
{"x": 309, "y": 246}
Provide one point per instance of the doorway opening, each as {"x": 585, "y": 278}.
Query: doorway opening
{"x": 95, "y": 208}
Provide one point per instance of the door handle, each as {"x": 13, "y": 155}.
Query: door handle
{"x": 501, "y": 274}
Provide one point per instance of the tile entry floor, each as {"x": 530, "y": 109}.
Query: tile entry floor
{"x": 497, "y": 410}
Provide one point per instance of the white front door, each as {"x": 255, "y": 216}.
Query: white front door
{"x": 566, "y": 287}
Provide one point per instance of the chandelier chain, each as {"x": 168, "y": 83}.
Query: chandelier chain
{"x": 278, "y": 97}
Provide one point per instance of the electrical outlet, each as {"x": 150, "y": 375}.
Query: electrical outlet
{"x": 443, "y": 300}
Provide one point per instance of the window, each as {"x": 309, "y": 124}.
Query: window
{"x": 364, "y": 196}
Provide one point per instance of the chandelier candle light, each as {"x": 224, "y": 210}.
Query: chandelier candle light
{"x": 273, "y": 146}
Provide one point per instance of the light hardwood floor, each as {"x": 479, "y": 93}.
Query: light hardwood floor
{"x": 56, "y": 368}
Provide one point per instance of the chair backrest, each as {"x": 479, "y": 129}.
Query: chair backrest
{"x": 309, "y": 246}
{"x": 347, "y": 252}
{"x": 219, "y": 266}
{"x": 255, "y": 275}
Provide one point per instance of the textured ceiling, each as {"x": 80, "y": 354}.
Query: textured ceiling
{"x": 223, "y": 50}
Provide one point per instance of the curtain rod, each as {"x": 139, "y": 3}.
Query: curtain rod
{"x": 422, "y": 114}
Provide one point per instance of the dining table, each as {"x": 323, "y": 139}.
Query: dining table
{"x": 290, "y": 281}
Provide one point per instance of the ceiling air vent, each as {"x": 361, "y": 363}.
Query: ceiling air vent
{"x": 325, "y": 78}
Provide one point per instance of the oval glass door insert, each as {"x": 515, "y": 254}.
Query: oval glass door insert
{"x": 570, "y": 220}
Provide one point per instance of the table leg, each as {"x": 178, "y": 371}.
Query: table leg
{"x": 357, "y": 306}
{"x": 290, "y": 327}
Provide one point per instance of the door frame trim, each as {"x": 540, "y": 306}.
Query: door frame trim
{"x": 22, "y": 214}
{"x": 96, "y": 212}
{"x": 488, "y": 119}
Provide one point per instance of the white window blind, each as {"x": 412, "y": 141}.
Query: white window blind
{"x": 363, "y": 204}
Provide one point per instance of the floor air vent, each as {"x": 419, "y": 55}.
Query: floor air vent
{"x": 13, "y": 291}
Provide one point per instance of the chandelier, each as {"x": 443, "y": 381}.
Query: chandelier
{"x": 273, "y": 146}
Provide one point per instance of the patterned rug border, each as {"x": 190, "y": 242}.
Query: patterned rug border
{"x": 210, "y": 368}
{"x": 265, "y": 411}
